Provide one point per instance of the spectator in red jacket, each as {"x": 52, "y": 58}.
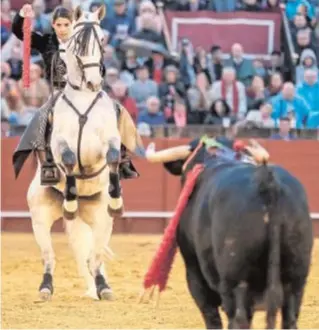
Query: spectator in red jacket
{"x": 120, "y": 93}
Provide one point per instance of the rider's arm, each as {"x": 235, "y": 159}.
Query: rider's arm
{"x": 37, "y": 40}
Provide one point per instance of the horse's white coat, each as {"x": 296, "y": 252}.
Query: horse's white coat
{"x": 90, "y": 232}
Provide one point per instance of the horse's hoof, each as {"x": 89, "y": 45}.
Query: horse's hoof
{"x": 91, "y": 294}
{"x": 106, "y": 294}
{"x": 115, "y": 212}
{"x": 45, "y": 294}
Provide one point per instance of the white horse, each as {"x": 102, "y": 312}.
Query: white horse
{"x": 85, "y": 144}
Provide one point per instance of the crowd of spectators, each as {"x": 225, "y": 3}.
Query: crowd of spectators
{"x": 197, "y": 87}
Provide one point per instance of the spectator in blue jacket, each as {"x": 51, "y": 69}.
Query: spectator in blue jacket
{"x": 292, "y": 8}
{"x": 152, "y": 116}
{"x": 288, "y": 103}
{"x": 313, "y": 121}
{"x": 309, "y": 89}
{"x": 308, "y": 60}
{"x": 121, "y": 24}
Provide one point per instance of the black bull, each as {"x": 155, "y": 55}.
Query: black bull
{"x": 246, "y": 232}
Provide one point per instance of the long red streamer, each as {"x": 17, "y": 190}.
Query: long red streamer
{"x": 162, "y": 262}
{"x": 26, "y": 51}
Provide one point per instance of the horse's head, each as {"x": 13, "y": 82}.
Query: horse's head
{"x": 84, "y": 50}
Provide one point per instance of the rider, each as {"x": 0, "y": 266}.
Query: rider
{"x": 51, "y": 46}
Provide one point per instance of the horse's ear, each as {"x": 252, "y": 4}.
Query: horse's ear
{"x": 77, "y": 13}
{"x": 101, "y": 12}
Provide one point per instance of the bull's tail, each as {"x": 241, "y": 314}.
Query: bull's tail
{"x": 269, "y": 190}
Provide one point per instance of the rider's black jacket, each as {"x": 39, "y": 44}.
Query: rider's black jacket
{"x": 47, "y": 45}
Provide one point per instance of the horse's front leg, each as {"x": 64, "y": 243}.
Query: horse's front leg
{"x": 68, "y": 160}
{"x": 113, "y": 157}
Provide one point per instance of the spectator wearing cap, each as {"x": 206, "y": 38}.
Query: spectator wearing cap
{"x": 152, "y": 114}
{"x": 309, "y": 89}
{"x": 288, "y": 103}
{"x": 120, "y": 93}
{"x": 170, "y": 88}
{"x": 143, "y": 87}
{"x": 284, "y": 130}
{"x": 121, "y": 24}
{"x": 230, "y": 90}
{"x": 243, "y": 66}
{"x": 308, "y": 60}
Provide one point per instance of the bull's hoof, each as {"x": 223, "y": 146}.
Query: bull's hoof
{"x": 45, "y": 294}
{"x": 115, "y": 212}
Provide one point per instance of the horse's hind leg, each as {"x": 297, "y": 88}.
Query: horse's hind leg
{"x": 45, "y": 208}
{"x": 95, "y": 213}
{"x": 81, "y": 240}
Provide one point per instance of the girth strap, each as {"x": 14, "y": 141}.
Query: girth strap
{"x": 82, "y": 121}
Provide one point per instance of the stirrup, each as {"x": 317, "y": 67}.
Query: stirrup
{"x": 50, "y": 174}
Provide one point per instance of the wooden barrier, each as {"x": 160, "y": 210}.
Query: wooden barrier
{"x": 156, "y": 190}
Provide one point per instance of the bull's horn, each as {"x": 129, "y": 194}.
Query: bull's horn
{"x": 167, "y": 155}
{"x": 259, "y": 153}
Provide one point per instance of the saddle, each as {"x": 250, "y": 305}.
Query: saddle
{"x": 36, "y": 138}
{"x": 50, "y": 173}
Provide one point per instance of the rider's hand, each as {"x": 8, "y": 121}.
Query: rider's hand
{"x": 27, "y": 11}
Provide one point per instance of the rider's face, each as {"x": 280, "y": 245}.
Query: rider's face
{"x": 62, "y": 28}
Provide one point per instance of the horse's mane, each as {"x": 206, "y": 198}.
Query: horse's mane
{"x": 81, "y": 40}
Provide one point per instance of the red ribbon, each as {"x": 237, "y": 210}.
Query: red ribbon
{"x": 26, "y": 51}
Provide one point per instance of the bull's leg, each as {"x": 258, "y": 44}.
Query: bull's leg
{"x": 115, "y": 207}
{"x": 102, "y": 225}
{"x": 291, "y": 306}
{"x": 241, "y": 320}
{"x": 45, "y": 208}
{"x": 228, "y": 301}
{"x": 206, "y": 299}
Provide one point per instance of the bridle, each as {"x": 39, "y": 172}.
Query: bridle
{"x": 81, "y": 65}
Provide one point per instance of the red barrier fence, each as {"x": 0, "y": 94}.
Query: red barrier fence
{"x": 156, "y": 190}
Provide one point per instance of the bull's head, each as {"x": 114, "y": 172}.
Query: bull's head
{"x": 179, "y": 160}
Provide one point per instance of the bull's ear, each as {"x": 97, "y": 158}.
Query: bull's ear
{"x": 175, "y": 167}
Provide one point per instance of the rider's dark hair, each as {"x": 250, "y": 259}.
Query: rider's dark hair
{"x": 61, "y": 12}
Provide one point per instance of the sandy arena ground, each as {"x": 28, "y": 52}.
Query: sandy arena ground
{"x": 22, "y": 272}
